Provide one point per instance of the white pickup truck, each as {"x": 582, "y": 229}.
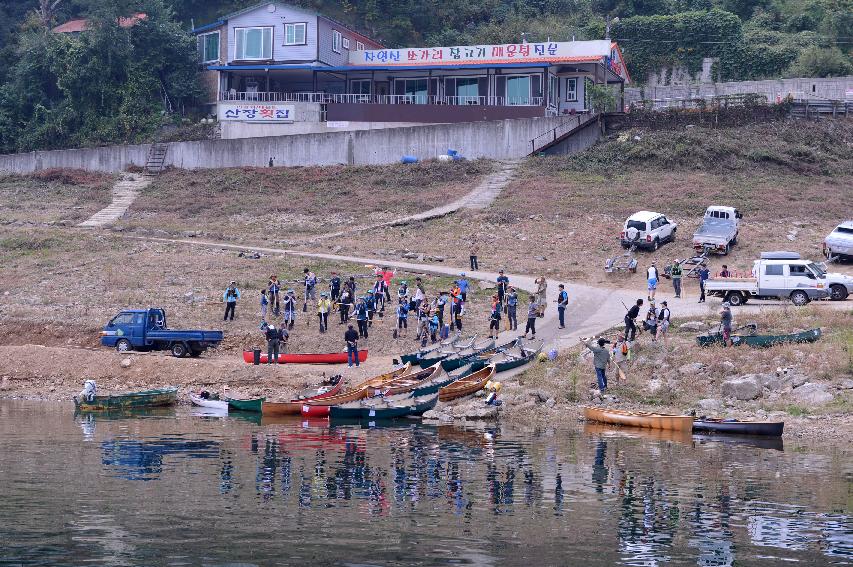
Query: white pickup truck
{"x": 782, "y": 275}
{"x": 719, "y": 230}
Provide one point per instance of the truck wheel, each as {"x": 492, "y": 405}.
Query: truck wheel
{"x": 179, "y": 350}
{"x": 655, "y": 244}
{"x": 734, "y": 240}
{"x": 735, "y": 298}
{"x": 838, "y": 292}
{"x": 799, "y": 298}
{"x": 123, "y": 345}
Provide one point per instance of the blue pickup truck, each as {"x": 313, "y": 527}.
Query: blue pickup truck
{"x": 145, "y": 329}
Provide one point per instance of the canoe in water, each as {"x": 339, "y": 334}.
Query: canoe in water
{"x": 294, "y": 407}
{"x": 468, "y": 385}
{"x": 320, "y": 407}
{"x": 306, "y": 358}
{"x": 639, "y": 419}
{"x": 131, "y": 400}
{"x": 384, "y": 408}
{"x": 716, "y": 425}
{"x": 208, "y": 403}
{"x": 809, "y": 336}
{"x": 253, "y": 405}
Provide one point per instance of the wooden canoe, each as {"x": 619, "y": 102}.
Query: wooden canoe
{"x": 320, "y": 407}
{"x": 253, "y": 405}
{"x": 306, "y": 358}
{"x": 408, "y": 382}
{"x": 208, "y": 403}
{"x": 467, "y": 385}
{"x": 131, "y": 400}
{"x": 761, "y": 341}
{"x": 294, "y": 407}
{"x": 639, "y": 419}
{"x": 735, "y": 426}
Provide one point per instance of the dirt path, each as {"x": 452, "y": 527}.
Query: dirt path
{"x": 125, "y": 192}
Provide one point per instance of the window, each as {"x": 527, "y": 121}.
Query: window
{"x": 468, "y": 89}
{"x": 799, "y": 271}
{"x": 208, "y": 47}
{"x": 518, "y": 90}
{"x": 553, "y": 95}
{"x": 337, "y": 39}
{"x": 346, "y": 43}
{"x": 773, "y": 270}
{"x": 360, "y": 87}
{"x": 295, "y": 34}
{"x": 414, "y": 89}
{"x": 122, "y": 319}
{"x": 843, "y": 230}
{"x": 571, "y": 90}
{"x": 359, "y": 46}
{"x": 253, "y": 43}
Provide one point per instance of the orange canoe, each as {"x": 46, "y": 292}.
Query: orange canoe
{"x": 320, "y": 407}
{"x": 294, "y": 407}
{"x": 467, "y": 385}
{"x": 639, "y": 419}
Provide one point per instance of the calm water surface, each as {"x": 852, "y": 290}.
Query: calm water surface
{"x": 174, "y": 488}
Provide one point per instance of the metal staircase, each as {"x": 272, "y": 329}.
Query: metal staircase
{"x": 156, "y": 158}
{"x": 556, "y": 135}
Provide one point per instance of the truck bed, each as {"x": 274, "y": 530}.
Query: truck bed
{"x": 732, "y": 284}
{"x": 715, "y": 231}
{"x": 171, "y": 335}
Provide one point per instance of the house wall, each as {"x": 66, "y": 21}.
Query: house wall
{"x": 283, "y": 14}
{"x": 578, "y": 105}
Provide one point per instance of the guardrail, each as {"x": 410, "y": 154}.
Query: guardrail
{"x": 560, "y": 131}
{"x": 350, "y": 98}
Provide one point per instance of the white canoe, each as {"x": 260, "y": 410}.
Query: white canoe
{"x": 213, "y": 404}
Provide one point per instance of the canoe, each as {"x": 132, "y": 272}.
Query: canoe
{"x": 761, "y": 341}
{"x": 468, "y": 385}
{"x": 320, "y": 407}
{"x": 639, "y": 419}
{"x": 504, "y": 361}
{"x": 208, "y": 403}
{"x": 716, "y": 425}
{"x": 444, "y": 379}
{"x": 253, "y": 405}
{"x": 461, "y": 359}
{"x": 407, "y": 382}
{"x": 413, "y": 357}
{"x": 297, "y": 358}
{"x": 384, "y": 408}
{"x": 294, "y": 407}
{"x": 144, "y": 399}
{"x": 457, "y": 347}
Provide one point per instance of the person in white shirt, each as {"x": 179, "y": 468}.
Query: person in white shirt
{"x": 652, "y": 275}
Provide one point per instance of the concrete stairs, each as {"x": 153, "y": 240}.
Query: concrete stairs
{"x": 125, "y": 192}
{"x": 156, "y": 158}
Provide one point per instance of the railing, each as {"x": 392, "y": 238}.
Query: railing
{"x": 560, "y": 131}
{"x": 328, "y": 98}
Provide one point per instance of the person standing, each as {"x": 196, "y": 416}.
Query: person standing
{"x": 475, "y": 249}
{"x": 274, "y": 287}
{"x": 463, "y": 285}
{"x": 652, "y": 277}
{"x": 273, "y": 343}
{"x": 440, "y": 304}
{"x": 351, "y": 339}
{"x": 387, "y": 276}
{"x": 344, "y": 305}
{"x": 675, "y": 273}
{"x": 402, "y": 318}
{"x": 726, "y": 323}
{"x": 663, "y": 322}
{"x": 725, "y": 273}
{"x": 495, "y": 318}
{"x": 310, "y": 285}
{"x": 230, "y": 297}
{"x": 562, "y": 303}
{"x": 335, "y": 287}
{"x": 704, "y": 274}
{"x": 289, "y": 305}
{"x": 361, "y": 318}
{"x": 503, "y": 284}
{"x": 541, "y": 295}
{"x": 631, "y": 320}
{"x": 511, "y": 309}
{"x": 350, "y": 285}
{"x": 651, "y": 322}
{"x": 460, "y": 311}
{"x": 621, "y": 354}
{"x": 370, "y": 303}
{"x": 600, "y": 360}
{"x": 264, "y": 303}
{"x": 324, "y": 305}
{"x": 532, "y": 314}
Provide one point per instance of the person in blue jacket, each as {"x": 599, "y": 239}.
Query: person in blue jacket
{"x": 230, "y": 297}
{"x": 361, "y": 318}
{"x": 463, "y": 287}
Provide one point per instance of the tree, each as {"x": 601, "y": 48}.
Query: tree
{"x": 600, "y": 98}
{"x": 816, "y": 61}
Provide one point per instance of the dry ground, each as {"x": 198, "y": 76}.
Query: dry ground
{"x": 53, "y": 196}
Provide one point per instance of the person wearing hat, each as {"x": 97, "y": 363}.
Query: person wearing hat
{"x": 652, "y": 277}
{"x": 288, "y": 302}
{"x": 663, "y": 322}
{"x": 310, "y": 284}
{"x": 334, "y": 287}
{"x": 463, "y": 284}
{"x": 230, "y": 297}
{"x": 403, "y": 291}
{"x": 351, "y": 339}
{"x": 503, "y": 284}
{"x": 726, "y": 323}
{"x": 600, "y": 360}
{"x": 675, "y": 274}
{"x": 273, "y": 343}
{"x": 324, "y": 305}
{"x": 361, "y": 317}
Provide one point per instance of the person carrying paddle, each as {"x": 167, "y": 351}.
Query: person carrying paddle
{"x": 274, "y": 287}
{"x": 600, "y": 360}
{"x": 230, "y": 297}
{"x": 351, "y": 339}
{"x": 289, "y": 305}
{"x": 324, "y": 305}
{"x": 379, "y": 292}
{"x": 361, "y": 318}
{"x": 512, "y": 309}
{"x": 631, "y": 320}
{"x": 387, "y": 276}
{"x": 273, "y": 342}
{"x": 403, "y": 318}
{"x": 350, "y": 285}
{"x": 334, "y": 287}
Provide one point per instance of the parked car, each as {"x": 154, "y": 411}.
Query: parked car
{"x": 719, "y": 230}
{"x": 839, "y": 243}
{"x": 647, "y": 229}
{"x": 782, "y": 275}
{"x": 145, "y": 329}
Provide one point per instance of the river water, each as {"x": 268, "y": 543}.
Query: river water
{"x": 176, "y": 488}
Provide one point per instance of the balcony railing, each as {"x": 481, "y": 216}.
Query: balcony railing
{"x": 327, "y": 98}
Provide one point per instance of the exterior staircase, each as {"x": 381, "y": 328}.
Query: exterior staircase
{"x": 156, "y": 158}
{"x": 556, "y": 135}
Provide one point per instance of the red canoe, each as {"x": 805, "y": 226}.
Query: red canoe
{"x": 294, "y": 407}
{"x": 329, "y": 358}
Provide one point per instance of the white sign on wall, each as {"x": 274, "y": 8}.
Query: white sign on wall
{"x": 256, "y": 112}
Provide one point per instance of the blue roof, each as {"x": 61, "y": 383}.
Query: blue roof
{"x": 211, "y": 26}
{"x": 274, "y": 67}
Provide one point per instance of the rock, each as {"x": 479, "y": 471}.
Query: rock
{"x": 538, "y": 396}
{"x": 410, "y": 255}
{"x": 691, "y": 369}
{"x": 551, "y": 374}
{"x": 126, "y": 363}
{"x": 711, "y": 404}
{"x": 726, "y": 366}
{"x": 337, "y": 248}
{"x": 550, "y": 402}
{"x": 846, "y": 384}
{"x": 812, "y": 394}
{"x": 797, "y": 380}
{"x": 654, "y": 385}
{"x": 791, "y": 237}
{"x": 693, "y": 327}
{"x": 540, "y": 258}
{"x": 420, "y": 258}
{"x": 743, "y": 388}
{"x": 439, "y": 258}
{"x": 4, "y": 383}
{"x": 482, "y": 284}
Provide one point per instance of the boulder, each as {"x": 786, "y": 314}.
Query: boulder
{"x": 550, "y": 402}
{"x": 126, "y": 363}
{"x": 691, "y": 369}
{"x": 812, "y": 394}
{"x": 538, "y": 396}
{"x": 654, "y": 386}
{"x": 797, "y": 380}
{"x": 846, "y": 384}
{"x": 410, "y": 255}
{"x": 726, "y": 366}
{"x": 693, "y": 327}
{"x": 743, "y": 388}
{"x": 711, "y": 404}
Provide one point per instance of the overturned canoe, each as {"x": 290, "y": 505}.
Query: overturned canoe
{"x": 639, "y": 419}
{"x": 735, "y": 426}
{"x": 131, "y": 400}
{"x": 208, "y": 403}
{"x": 253, "y": 405}
{"x": 294, "y": 407}
{"x": 761, "y": 341}
{"x": 320, "y": 407}
{"x": 467, "y": 385}
{"x": 306, "y": 358}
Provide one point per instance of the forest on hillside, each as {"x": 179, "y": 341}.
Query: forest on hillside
{"x": 113, "y": 84}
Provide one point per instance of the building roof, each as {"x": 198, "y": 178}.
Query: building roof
{"x": 330, "y": 69}
{"x": 77, "y": 26}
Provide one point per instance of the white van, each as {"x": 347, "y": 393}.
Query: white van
{"x": 647, "y": 229}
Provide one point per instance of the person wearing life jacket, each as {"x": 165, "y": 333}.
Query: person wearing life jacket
{"x": 274, "y": 287}
{"x": 288, "y": 304}
{"x": 433, "y": 327}
{"x": 663, "y": 322}
{"x": 230, "y": 297}
{"x": 370, "y": 302}
{"x": 350, "y": 285}
{"x": 379, "y": 293}
{"x": 334, "y": 287}
{"x": 361, "y": 317}
{"x": 310, "y": 284}
{"x": 344, "y": 305}
{"x": 512, "y": 309}
{"x": 495, "y": 318}
{"x": 562, "y": 303}
{"x": 403, "y": 290}
{"x": 675, "y": 272}
{"x": 440, "y": 304}
{"x": 403, "y": 318}
{"x": 324, "y": 305}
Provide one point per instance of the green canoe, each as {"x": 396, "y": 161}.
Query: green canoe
{"x": 459, "y": 360}
{"x": 760, "y": 341}
{"x": 131, "y": 400}
{"x": 246, "y": 405}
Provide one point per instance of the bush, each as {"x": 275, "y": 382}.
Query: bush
{"x": 821, "y": 62}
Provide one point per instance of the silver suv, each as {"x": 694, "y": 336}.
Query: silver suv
{"x": 839, "y": 243}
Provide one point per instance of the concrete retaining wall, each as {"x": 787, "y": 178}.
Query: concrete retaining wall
{"x": 834, "y": 89}
{"x": 577, "y": 142}
{"x": 502, "y": 139}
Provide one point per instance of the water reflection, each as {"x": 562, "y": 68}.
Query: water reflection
{"x": 143, "y": 460}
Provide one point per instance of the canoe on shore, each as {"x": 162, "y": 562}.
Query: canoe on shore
{"x": 735, "y": 426}
{"x": 384, "y": 408}
{"x": 294, "y": 407}
{"x": 131, "y": 400}
{"x": 441, "y": 354}
{"x": 253, "y": 405}
{"x": 208, "y": 403}
{"x": 414, "y": 357}
{"x": 507, "y": 359}
{"x": 761, "y": 341}
{"x": 639, "y": 419}
{"x": 306, "y": 358}
{"x": 320, "y": 407}
{"x": 468, "y": 385}
{"x": 460, "y": 359}
{"x": 408, "y": 382}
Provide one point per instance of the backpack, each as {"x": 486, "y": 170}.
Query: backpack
{"x": 625, "y": 348}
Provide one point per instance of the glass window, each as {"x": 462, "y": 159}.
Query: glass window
{"x": 295, "y": 34}
{"x": 414, "y": 89}
{"x": 639, "y": 225}
{"x": 518, "y": 90}
{"x": 360, "y": 86}
{"x": 799, "y": 271}
{"x": 122, "y": 319}
{"x": 571, "y": 90}
{"x": 254, "y": 43}
{"x": 346, "y": 43}
{"x": 468, "y": 87}
{"x": 773, "y": 270}
{"x": 843, "y": 230}
{"x": 553, "y": 96}
{"x": 336, "y": 41}
{"x": 359, "y": 46}
{"x": 208, "y": 47}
